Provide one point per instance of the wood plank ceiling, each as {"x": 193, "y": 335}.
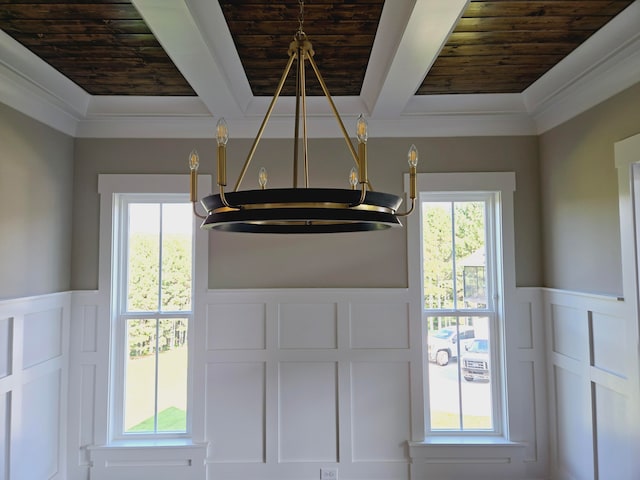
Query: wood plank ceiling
{"x": 499, "y": 46}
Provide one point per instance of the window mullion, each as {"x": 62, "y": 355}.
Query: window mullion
{"x": 160, "y": 242}
{"x": 155, "y": 387}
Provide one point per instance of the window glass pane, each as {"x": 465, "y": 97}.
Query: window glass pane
{"x": 176, "y": 256}
{"x": 470, "y": 254}
{"x": 140, "y": 374}
{"x": 143, "y": 261}
{"x": 172, "y": 376}
{"x": 459, "y": 373}
{"x": 453, "y": 240}
{"x": 437, "y": 255}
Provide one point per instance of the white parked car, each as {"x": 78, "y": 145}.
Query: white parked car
{"x": 444, "y": 344}
{"x": 475, "y": 361}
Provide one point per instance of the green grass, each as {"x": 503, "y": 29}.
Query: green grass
{"x": 171, "y": 419}
{"x": 445, "y": 420}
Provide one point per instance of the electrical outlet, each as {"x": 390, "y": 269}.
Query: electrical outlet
{"x": 328, "y": 474}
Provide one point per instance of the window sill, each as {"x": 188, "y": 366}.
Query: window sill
{"x": 149, "y": 443}
{"x": 466, "y": 441}
{"x": 470, "y": 450}
{"x": 159, "y": 458}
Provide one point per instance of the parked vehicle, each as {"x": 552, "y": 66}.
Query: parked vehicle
{"x": 475, "y": 361}
{"x": 443, "y": 344}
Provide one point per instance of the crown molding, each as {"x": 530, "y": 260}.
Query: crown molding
{"x": 604, "y": 65}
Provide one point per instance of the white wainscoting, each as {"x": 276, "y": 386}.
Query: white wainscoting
{"x": 289, "y": 381}
{"x": 523, "y": 452}
{"x": 34, "y": 335}
{"x": 299, "y": 380}
{"x": 592, "y": 358}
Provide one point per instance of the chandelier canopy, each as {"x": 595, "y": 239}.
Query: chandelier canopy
{"x": 301, "y": 209}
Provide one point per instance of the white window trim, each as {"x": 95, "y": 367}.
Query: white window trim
{"x": 492, "y": 311}
{"x": 504, "y": 184}
{"x": 627, "y": 161}
{"x": 108, "y": 187}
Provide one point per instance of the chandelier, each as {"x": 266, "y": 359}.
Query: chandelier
{"x": 300, "y": 209}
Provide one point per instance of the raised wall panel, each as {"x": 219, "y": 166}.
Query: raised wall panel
{"x": 236, "y": 326}
{"x": 87, "y": 411}
{"x": 6, "y": 346}
{"x": 525, "y": 329}
{"x": 573, "y": 425}
{"x": 308, "y": 412}
{"x": 235, "y": 419}
{"x": 609, "y": 343}
{"x": 38, "y": 432}
{"x": 569, "y": 331}
{"x": 523, "y": 414}
{"x": 89, "y": 326}
{"x": 307, "y": 325}
{"x": 42, "y": 336}
{"x": 380, "y": 411}
{"x": 5, "y": 433}
{"x": 380, "y": 325}
{"x": 614, "y": 449}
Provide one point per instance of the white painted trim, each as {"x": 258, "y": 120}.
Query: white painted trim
{"x": 607, "y": 63}
{"x": 569, "y": 312}
{"x": 14, "y": 453}
{"x": 604, "y": 65}
{"x": 627, "y": 159}
{"x": 504, "y": 183}
{"x": 176, "y": 28}
{"x": 425, "y": 32}
{"x": 108, "y": 186}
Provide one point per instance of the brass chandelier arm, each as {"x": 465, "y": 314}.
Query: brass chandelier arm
{"x": 303, "y": 92}
{"x": 264, "y": 122}
{"x": 296, "y": 127}
{"x": 325, "y": 90}
{"x": 195, "y": 211}
{"x": 408, "y": 212}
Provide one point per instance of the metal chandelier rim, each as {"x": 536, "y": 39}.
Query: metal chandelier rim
{"x": 301, "y": 210}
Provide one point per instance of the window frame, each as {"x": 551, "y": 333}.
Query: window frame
{"x": 121, "y": 315}
{"x": 491, "y": 203}
{"x": 110, "y": 188}
{"x": 502, "y": 185}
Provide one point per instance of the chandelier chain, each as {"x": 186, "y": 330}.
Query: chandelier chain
{"x": 301, "y": 16}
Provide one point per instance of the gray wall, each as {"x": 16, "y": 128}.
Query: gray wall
{"x": 579, "y": 190}
{"x": 36, "y": 183}
{"x": 377, "y": 259}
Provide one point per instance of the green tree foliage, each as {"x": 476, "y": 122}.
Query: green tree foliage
{"x": 142, "y": 294}
{"x": 446, "y": 224}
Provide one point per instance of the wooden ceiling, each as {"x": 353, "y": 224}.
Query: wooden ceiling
{"x": 499, "y": 46}
{"x": 102, "y": 45}
{"x": 503, "y": 46}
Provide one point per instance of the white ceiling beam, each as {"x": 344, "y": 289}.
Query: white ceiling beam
{"x": 426, "y": 31}
{"x": 177, "y": 30}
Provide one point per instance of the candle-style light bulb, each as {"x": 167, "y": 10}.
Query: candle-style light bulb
{"x": 222, "y": 132}
{"x": 194, "y": 160}
{"x": 362, "y": 129}
{"x": 362, "y": 134}
{"x": 353, "y": 178}
{"x": 222, "y": 136}
{"x": 262, "y": 177}
{"x": 194, "y": 163}
{"x": 413, "y": 156}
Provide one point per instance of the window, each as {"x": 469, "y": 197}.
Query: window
{"x": 153, "y": 310}
{"x": 458, "y": 236}
{"x": 459, "y": 310}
